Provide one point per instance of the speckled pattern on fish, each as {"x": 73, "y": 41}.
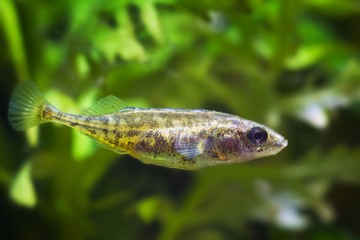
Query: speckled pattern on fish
{"x": 175, "y": 138}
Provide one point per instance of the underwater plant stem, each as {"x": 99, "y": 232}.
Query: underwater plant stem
{"x": 11, "y": 26}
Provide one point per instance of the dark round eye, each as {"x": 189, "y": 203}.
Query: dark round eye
{"x": 257, "y": 135}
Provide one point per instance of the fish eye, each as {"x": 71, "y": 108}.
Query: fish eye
{"x": 257, "y": 135}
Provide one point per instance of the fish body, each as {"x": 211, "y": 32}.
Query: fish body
{"x": 175, "y": 138}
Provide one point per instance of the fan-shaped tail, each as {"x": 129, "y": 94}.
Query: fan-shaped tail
{"x": 25, "y": 106}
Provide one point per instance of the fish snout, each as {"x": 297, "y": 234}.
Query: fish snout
{"x": 281, "y": 143}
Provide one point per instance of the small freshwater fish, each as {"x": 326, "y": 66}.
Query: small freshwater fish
{"x": 174, "y": 138}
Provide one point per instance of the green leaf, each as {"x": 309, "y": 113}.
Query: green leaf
{"x": 305, "y": 56}
{"x": 61, "y": 101}
{"x": 312, "y": 32}
{"x": 120, "y": 42}
{"x": 147, "y": 208}
{"x": 82, "y": 66}
{"x": 82, "y": 146}
{"x": 12, "y": 30}
{"x": 151, "y": 21}
{"x": 32, "y": 135}
{"x": 22, "y": 189}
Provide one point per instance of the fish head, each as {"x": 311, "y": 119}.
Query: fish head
{"x": 257, "y": 141}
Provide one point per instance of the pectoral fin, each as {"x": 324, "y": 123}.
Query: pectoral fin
{"x": 106, "y": 105}
{"x": 189, "y": 146}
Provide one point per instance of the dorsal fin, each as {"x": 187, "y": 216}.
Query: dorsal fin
{"x": 106, "y": 105}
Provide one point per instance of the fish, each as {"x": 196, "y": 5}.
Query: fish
{"x": 174, "y": 138}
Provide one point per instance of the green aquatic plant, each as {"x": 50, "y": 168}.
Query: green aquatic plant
{"x": 292, "y": 65}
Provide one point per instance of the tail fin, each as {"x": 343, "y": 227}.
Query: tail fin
{"x": 25, "y": 106}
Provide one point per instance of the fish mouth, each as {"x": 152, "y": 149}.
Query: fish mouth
{"x": 281, "y": 143}
{"x": 285, "y": 143}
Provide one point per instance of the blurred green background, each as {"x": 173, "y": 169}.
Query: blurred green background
{"x": 292, "y": 65}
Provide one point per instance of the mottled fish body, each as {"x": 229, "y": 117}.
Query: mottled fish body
{"x": 175, "y": 138}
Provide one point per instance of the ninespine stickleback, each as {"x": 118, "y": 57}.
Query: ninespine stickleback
{"x": 175, "y": 138}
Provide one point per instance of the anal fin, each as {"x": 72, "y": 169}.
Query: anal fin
{"x": 103, "y": 145}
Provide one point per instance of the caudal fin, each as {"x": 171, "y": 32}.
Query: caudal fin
{"x": 25, "y": 106}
